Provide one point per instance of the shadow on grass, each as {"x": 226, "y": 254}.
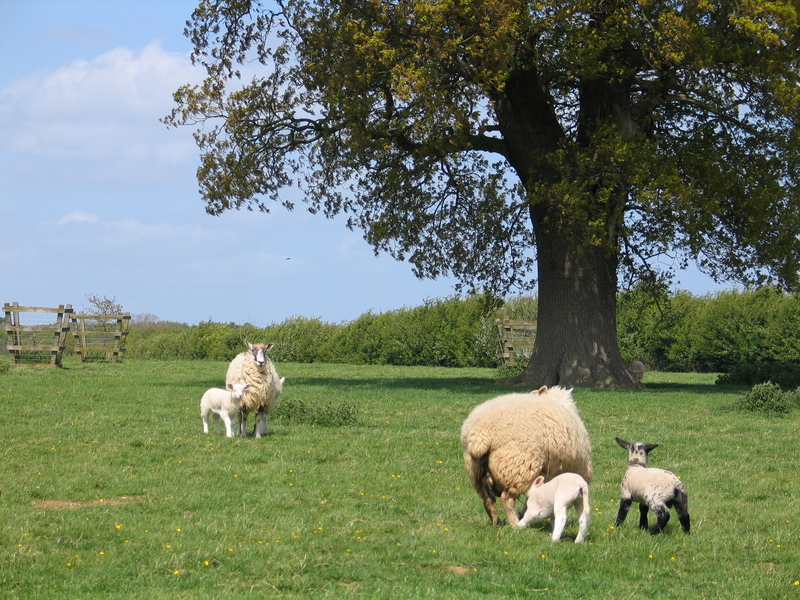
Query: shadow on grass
{"x": 461, "y": 384}
{"x": 693, "y": 388}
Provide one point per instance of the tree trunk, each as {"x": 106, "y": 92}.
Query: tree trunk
{"x": 576, "y": 339}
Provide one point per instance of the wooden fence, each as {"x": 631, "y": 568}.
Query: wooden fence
{"x": 40, "y": 341}
{"x": 515, "y": 341}
{"x": 100, "y": 336}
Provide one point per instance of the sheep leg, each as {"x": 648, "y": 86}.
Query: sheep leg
{"x": 242, "y": 423}
{"x": 559, "y": 523}
{"x": 662, "y": 516}
{"x": 624, "y": 507}
{"x": 216, "y": 423}
{"x": 490, "y": 506}
{"x": 584, "y": 518}
{"x": 262, "y": 425}
{"x": 509, "y": 502}
{"x": 643, "y": 508}
{"x": 228, "y": 425}
{"x": 683, "y": 512}
{"x": 204, "y": 416}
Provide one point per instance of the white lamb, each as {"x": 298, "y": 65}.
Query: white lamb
{"x": 511, "y": 440}
{"x": 256, "y": 368}
{"x": 555, "y": 498}
{"x": 656, "y": 489}
{"x": 223, "y": 404}
{"x": 637, "y": 370}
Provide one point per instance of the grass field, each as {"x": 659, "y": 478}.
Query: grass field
{"x": 109, "y": 489}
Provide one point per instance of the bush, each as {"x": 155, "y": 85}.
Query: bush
{"x": 785, "y": 375}
{"x": 326, "y": 414}
{"x": 767, "y": 398}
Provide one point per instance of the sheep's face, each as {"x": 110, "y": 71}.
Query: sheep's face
{"x": 637, "y": 451}
{"x": 237, "y": 389}
{"x": 259, "y": 352}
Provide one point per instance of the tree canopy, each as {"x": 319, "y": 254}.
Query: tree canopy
{"x": 510, "y": 142}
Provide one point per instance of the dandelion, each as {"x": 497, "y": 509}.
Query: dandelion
{"x": 101, "y": 553}
{"x": 176, "y": 572}
{"x": 206, "y": 563}
{"x": 544, "y": 556}
{"x": 178, "y": 530}
{"x": 672, "y": 558}
{"x": 119, "y": 526}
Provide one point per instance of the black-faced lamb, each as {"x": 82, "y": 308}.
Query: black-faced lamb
{"x": 511, "y": 440}
{"x": 255, "y": 368}
{"x": 656, "y": 489}
{"x": 554, "y": 499}
{"x": 222, "y": 404}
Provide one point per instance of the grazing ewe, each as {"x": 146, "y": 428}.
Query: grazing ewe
{"x": 555, "y": 498}
{"x": 222, "y": 403}
{"x": 510, "y": 440}
{"x": 255, "y": 367}
{"x": 637, "y": 370}
{"x": 657, "y": 489}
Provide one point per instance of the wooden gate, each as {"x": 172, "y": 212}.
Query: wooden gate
{"x": 100, "y": 336}
{"x": 40, "y": 342}
{"x": 515, "y": 341}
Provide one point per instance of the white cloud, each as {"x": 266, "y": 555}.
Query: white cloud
{"x": 78, "y": 216}
{"x": 106, "y": 108}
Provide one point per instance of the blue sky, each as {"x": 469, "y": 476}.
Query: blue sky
{"x": 98, "y": 197}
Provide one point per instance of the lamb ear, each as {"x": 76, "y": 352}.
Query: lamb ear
{"x": 538, "y": 481}
{"x": 542, "y": 390}
{"x": 229, "y": 386}
{"x": 623, "y": 443}
{"x": 648, "y": 447}
{"x": 269, "y": 347}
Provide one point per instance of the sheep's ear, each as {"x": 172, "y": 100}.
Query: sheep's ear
{"x": 230, "y": 386}
{"x": 249, "y": 345}
{"x": 648, "y": 447}
{"x": 623, "y": 443}
{"x": 269, "y": 347}
{"x": 542, "y": 390}
{"x": 538, "y": 481}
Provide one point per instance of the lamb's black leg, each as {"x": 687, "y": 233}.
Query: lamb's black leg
{"x": 624, "y": 507}
{"x": 643, "y": 515}
{"x": 662, "y": 516}
{"x": 684, "y": 519}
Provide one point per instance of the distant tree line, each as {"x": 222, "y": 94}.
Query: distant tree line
{"x": 667, "y": 331}
{"x": 751, "y": 335}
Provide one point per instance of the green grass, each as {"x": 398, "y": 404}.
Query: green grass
{"x": 109, "y": 489}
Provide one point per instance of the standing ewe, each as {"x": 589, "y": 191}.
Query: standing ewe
{"x": 222, "y": 403}
{"x": 256, "y": 368}
{"x": 554, "y": 498}
{"x": 510, "y": 440}
{"x": 657, "y": 489}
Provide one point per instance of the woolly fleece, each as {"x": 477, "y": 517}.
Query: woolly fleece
{"x": 265, "y": 388}
{"x": 510, "y": 440}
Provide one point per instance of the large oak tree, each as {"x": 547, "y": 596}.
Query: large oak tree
{"x": 568, "y": 143}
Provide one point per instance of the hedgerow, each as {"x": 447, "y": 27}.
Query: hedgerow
{"x": 752, "y": 336}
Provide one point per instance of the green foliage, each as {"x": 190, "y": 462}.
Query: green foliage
{"x": 785, "y": 375}
{"x": 121, "y": 496}
{"x": 768, "y": 398}
{"x": 327, "y": 414}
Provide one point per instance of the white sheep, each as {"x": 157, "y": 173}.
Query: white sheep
{"x": 510, "y": 440}
{"x": 223, "y": 404}
{"x": 554, "y": 499}
{"x": 637, "y": 370}
{"x": 255, "y": 367}
{"x": 656, "y": 489}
